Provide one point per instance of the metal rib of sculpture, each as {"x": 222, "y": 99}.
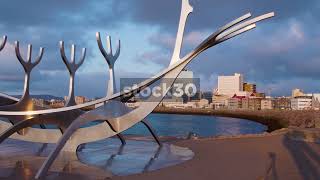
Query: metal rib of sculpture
{"x": 111, "y": 59}
{"x": 124, "y": 118}
{"x": 60, "y": 119}
{"x": 25, "y": 103}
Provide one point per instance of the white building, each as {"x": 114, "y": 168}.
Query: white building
{"x": 301, "y": 103}
{"x": 266, "y": 104}
{"x": 230, "y": 85}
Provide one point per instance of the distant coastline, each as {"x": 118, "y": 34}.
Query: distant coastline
{"x": 273, "y": 119}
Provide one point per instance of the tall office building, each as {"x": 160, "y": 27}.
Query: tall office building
{"x": 230, "y": 85}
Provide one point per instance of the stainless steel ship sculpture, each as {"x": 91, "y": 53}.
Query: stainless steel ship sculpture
{"x": 112, "y": 113}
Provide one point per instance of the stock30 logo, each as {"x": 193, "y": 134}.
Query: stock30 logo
{"x": 169, "y": 88}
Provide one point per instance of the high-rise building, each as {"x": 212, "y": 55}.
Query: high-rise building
{"x": 230, "y": 85}
{"x": 249, "y": 87}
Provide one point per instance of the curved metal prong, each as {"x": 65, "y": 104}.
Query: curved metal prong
{"x": 63, "y": 55}
{"x": 245, "y": 24}
{"x": 18, "y": 54}
{"x": 236, "y": 33}
{"x": 39, "y": 57}
{"x": 83, "y": 56}
{"x": 108, "y": 55}
{"x": 72, "y": 65}
{"x": 3, "y": 43}
{"x": 233, "y": 23}
{"x": 225, "y": 31}
{"x": 102, "y": 50}
{"x": 116, "y": 56}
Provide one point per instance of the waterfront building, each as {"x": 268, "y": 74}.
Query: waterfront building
{"x": 266, "y": 104}
{"x": 220, "y": 101}
{"x": 251, "y": 103}
{"x": 235, "y": 102}
{"x": 249, "y": 87}
{"x": 301, "y": 103}
{"x": 297, "y": 93}
{"x": 230, "y": 85}
{"x": 172, "y": 102}
{"x": 202, "y": 103}
{"x": 281, "y": 103}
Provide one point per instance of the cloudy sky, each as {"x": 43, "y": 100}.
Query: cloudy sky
{"x": 281, "y": 54}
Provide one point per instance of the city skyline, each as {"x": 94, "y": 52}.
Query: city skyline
{"x": 288, "y": 59}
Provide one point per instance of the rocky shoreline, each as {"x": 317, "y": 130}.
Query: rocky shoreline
{"x": 273, "y": 119}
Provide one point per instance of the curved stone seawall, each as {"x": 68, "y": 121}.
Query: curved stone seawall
{"x": 274, "y": 119}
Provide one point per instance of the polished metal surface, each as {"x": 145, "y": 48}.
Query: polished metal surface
{"x": 186, "y": 10}
{"x": 114, "y": 116}
{"x": 111, "y": 60}
{"x": 25, "y": 103}
{"x": 72, "y": 67}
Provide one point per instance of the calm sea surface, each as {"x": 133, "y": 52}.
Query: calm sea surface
{"x": 204, "y": 126}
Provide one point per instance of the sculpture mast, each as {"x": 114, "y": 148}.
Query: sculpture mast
{"x": 186, "y": 10}
{"x": 111, "y": 60}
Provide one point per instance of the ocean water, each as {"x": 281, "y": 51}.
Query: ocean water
{"x": 203, "y": 126}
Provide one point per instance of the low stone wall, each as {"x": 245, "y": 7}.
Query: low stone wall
{"x": 274, "y": 119}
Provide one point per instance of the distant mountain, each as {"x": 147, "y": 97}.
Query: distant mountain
{"x": 42, "y": 96}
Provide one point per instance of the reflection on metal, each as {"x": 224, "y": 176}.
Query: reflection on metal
{"x": 114, "y": 116}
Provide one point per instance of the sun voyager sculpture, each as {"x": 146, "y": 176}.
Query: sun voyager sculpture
{"x": 110, "y": 111}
